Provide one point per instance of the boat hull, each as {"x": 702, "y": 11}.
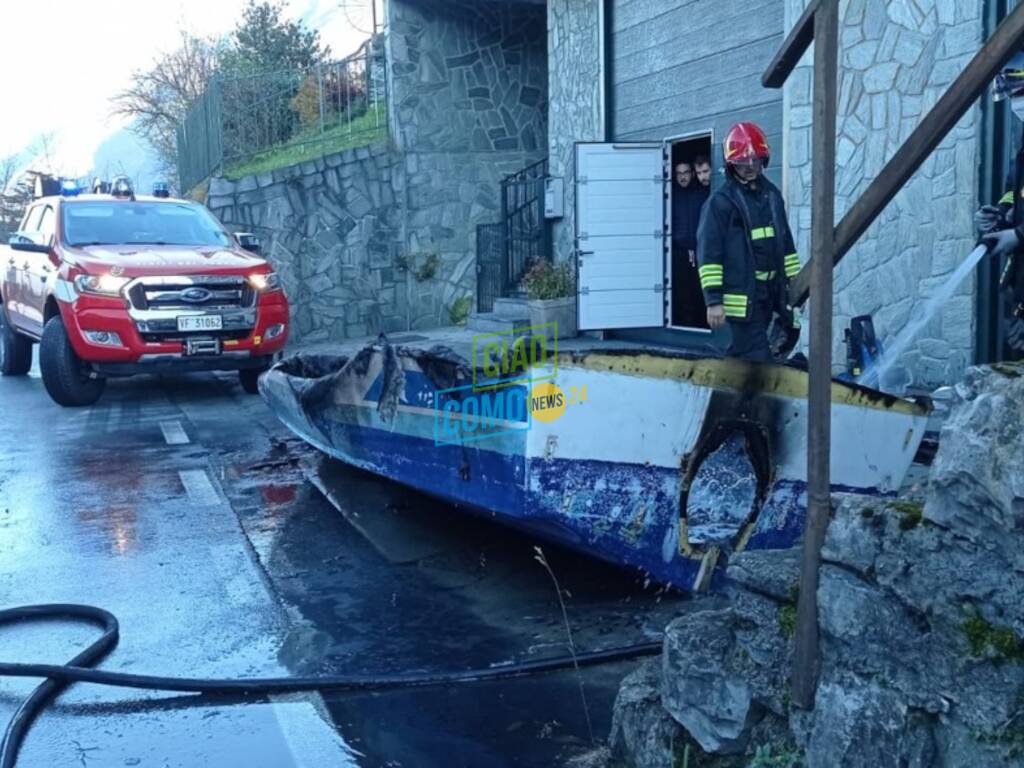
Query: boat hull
{"x": 654, "y": 461}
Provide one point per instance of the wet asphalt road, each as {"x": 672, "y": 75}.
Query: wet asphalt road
{"x": 186, "y": 509}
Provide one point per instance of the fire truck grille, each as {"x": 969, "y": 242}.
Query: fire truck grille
{"x": 191, "y": 293}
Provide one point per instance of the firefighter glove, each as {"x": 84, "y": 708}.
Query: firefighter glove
{"x": 987, "y": 219}
{"x": 1002, "y": 243}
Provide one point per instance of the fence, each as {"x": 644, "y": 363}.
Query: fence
{"x": 527, "y": 234}
{"x": 491, "y": 265}
{"x": 253, "y": 123}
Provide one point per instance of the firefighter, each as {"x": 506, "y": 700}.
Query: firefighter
{"x": 746, "y": 254}
{"x": 1001, "y": 226}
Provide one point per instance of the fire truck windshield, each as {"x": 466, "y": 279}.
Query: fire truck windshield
{"x": 114, "y": 222}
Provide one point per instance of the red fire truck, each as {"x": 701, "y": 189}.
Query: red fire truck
{"x": 112, "y": 284}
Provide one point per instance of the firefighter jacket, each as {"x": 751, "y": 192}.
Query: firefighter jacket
{"x": 1012, "y": 206}
{"x": 725, "y": 251}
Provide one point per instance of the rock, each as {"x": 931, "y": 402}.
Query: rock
{"x": 921, "y": 623}
{"x": 246, "y": 184}
{"x": 858, "y": 726}
{"x": 220, "y": 187}
{"x": 854, "y": 537}
{"x": 771, "y": 572}
{"x": 715, "y": 706}
{"x": 643, "y": 733}
{"x": 977, "y": 477}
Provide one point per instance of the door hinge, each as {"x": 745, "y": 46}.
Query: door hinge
{"x": 584, "y": 290}
{"x": 582, "y": 236}
{"x": 581, "y": 179}
{"x": 659, "y": 288}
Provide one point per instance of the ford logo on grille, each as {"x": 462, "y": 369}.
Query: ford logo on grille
{"x": 195, "y": 295}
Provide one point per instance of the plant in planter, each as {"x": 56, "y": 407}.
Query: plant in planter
{"x": 550, "y": 289}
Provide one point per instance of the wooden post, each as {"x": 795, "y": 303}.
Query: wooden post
{"x": 819, "y": 397}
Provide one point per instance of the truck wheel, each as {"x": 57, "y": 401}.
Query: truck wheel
{"x": 15, "y": 349}
{"x": 250, "y": 378}
{"x": 64, "y": 374}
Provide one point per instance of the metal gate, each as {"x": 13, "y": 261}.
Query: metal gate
{"x": 491, "y": 277}
{"x": 526, "y": 230}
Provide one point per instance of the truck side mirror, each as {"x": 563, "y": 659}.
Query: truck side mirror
{"x": 249, "y": 242}
{"x": 22, "y": 242}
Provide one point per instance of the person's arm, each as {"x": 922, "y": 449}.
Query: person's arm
{"x": 710, "y": 260}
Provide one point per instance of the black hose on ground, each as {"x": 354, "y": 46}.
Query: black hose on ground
{"x": 79, "y": 670}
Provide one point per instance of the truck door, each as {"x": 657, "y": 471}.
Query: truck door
{"x": 622, "y": 234}
{"x": 15, "y": 279}
{"x": 38, "y": 268}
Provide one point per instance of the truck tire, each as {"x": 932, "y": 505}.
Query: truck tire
{"x": 64, "y": 373}
{"x": 15, "y": 349}
{"x": 250, "y": 379}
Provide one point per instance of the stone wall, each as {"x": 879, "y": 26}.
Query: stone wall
{"x": 468, "y": 76}
{"x": 898, "y": 57}
{"x": 921, "y": 626}
{"x": 469, "y": 104}
{"x": 332, "y": 230}
{"x": 574, "y": 48}
{"x": 382, "y": 238}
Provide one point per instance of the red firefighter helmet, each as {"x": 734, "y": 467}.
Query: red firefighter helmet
{"x": 746, "y": 142}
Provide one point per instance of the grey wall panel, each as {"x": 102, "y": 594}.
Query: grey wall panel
{"x": 680, "y": 66}
{"x": 660, "y": 44}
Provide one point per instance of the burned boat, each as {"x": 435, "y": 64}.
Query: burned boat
{"x": 649, "y": 458}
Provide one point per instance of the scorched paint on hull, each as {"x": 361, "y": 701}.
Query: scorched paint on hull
{"x": 666, "y": 462}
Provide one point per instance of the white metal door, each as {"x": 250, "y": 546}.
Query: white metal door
{"x": 621, "y": 235}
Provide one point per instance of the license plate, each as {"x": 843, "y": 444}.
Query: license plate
{"x": 200, "y": 323}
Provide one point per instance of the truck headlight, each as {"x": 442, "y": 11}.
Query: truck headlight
{"x": 101, "y": 285}
{"x": 264, "y": 282}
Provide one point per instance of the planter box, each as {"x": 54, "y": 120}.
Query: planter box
{"x": 561, "y": 311}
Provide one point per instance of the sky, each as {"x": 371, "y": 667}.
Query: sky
{"x": 65, "y": 59}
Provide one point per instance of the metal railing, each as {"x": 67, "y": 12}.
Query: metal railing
{"x": 527, "y": 235}
{"x": 251, "y": 123}
{"x": 491, "y": 282}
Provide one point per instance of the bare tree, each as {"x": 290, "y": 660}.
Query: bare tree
{"x": 43, "y": 150}
{"x": 16, "y": 191}
{"x": 8, "y": 167}
{"x": 159, "y": 98}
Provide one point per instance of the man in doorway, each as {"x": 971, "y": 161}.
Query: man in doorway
{"x": 702, "y": 170}
{"x": 688, "y": 197}
{"x": 745, "y": 251}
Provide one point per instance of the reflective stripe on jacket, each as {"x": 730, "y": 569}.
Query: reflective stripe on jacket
{"x": 725, "y": 250}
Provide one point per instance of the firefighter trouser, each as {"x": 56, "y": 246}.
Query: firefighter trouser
{"x": 750, "y": 338}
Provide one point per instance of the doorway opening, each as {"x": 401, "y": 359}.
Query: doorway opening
{"x": 691, "y": 184}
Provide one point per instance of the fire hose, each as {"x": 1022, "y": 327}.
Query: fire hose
{"x": 81, "y": 669}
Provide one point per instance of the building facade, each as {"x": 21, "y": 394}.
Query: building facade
{"x": 657, "y": 72}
